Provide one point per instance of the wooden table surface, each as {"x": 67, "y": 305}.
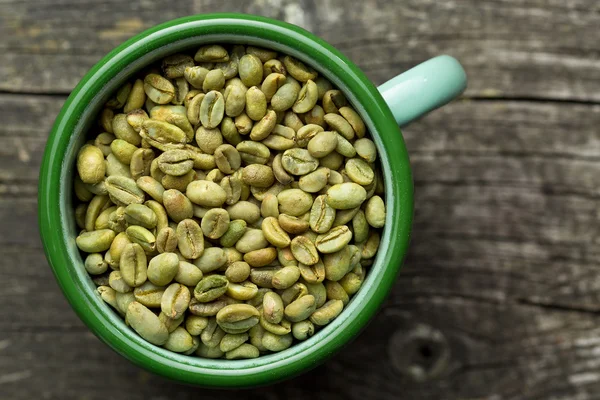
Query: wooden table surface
{"x": 500, "y": 294}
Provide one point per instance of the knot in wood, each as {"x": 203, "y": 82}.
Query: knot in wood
{"x": 420, "y": 354}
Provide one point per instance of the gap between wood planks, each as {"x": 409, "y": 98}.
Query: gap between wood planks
{"x": 532, "y": 99}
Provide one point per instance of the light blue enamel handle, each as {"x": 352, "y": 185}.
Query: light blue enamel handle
{"x": 424, "y": 88}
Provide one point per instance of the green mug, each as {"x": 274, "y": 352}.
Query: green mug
{"x": 401, "y": 100}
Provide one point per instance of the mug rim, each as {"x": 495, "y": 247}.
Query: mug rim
{"x": 63, "y": 256}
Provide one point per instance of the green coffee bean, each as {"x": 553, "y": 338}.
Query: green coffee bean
{"x": 334, "y": 240}
{"x": 261, "y": 257}
{"x": 211, "y": 53}
{"x": 116, "y": 281}
{"x": 243, "y": 123}
{"x": 294, "y": 202}
{"x": 195, "y": 76}
{"x": 307, "y": 98}
{"x": 133, "y": 265}
{"x": 351, "y": 282}
{"x": 258, "y": 175}
{"x": 337, "y": 264}
{"x": 365, "y": 148}
{"x": 300, "y": 309}
{"x": 175, "y": 300}
{"x": 211, "y": 259}
{"x": 253, "y": 152}
{"x": 298, "y": 161}
{"x": 273, "y": 66}
{"x": 149, "y": 294}
{"x": 321, "y": 215}
{"x": 195, "y": 324}
{"x": 234, "y": 232}
{"x": 375, "y": 212}
{"x": 292, "y": 224}
{"x": 188, "y": 274}
{"x": 304, "y": 250}
{"x": 314, "y": 181}
{"x": 273, "y": 232}
{"x": 123, "y": 300}
{"x": 90, "y": 164}
{"x": 158, "y": 89}
{"x": 227, "y": 158}
{"x": 207, "y": 309}
{"x": 123, "y": 130}
{"x": 215, "y": 223}
{"x": 274, "y": 342}
{"x": 121, "y": 97}
{"x": 146, "y": 324}
{"x": 244, "y": 210}
{"x": 242, "y": 291}
{"x": 175, "y": 115}
{"x": 230, "y": 131}
{"x": 316, "y": 116}
{"x": 163, "y": 268}
{"x": 252, "y": 239}
{"x": 286, "y": 95}
{"x": 344, "y": 216}
{"x": 245, "y": 351}
{"x": 282, "y": 328}
{"x": 346, "y": 196}
{"x": 251, "y": 70}
{"x": 263, "y": 277}
{"x": 95, "y": 241}
{"x": 285, "y": 277}
{"x": 272, "y": 310}
{"x": 106, "y": 118}
{"x": 179, "y": 341}
{"x": 214, "y": 80}
{"x": 209, "y": 140}
{"x": 303, "y": 330}
{"x": 233, "y": 341}
{"x": 135, "y": 119}
{"x": 212, "y": 109}
{"x": 209, "y": 352}
{"x": 327, "y": 312}
{"x": 256, "y": 104}
{"x": 139, "y": 214}
{"x": 333, "y": 100}
{"x": 335, "y": 291}
{"x": 298, "y": 69}
{"x": 313, "y": 273}
{"x": 174, "y": 66}
{"x": 369, "y": 248}
{"x": 95, "y": 264}
{"x": 237, "y": 271}
{"x": 206, "y": 193}
{"x": 360, "y": 227}
{"x": 237, "y": 318}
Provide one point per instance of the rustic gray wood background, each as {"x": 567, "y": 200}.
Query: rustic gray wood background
{"x": 500, "y": 295}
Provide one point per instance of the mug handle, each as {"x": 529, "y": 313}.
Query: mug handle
{"x": 424, "y": 88}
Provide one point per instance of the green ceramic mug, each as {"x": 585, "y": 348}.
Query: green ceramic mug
{"x": 401, "y": 100}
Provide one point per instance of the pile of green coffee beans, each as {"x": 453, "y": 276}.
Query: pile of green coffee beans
{"x": 229, "y": 203}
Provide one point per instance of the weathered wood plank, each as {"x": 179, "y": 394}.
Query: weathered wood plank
{"x": 533, "y": 49}
{"x": 498, "y": 298}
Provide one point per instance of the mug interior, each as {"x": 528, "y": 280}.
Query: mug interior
{"x": 103, "y": 81}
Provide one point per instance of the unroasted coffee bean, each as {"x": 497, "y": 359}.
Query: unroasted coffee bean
{"x": 236, "y": 192}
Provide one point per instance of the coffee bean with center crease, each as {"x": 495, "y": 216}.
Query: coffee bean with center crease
{"x": 234, "y": 183}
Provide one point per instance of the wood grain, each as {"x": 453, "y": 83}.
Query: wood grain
{"x": 533, "y": 49}
{"x": 499, "y": 298}
{"x": 499, "y": 295}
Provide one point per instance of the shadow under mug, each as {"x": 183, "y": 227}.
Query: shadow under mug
{"x": 402, "y": 99}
